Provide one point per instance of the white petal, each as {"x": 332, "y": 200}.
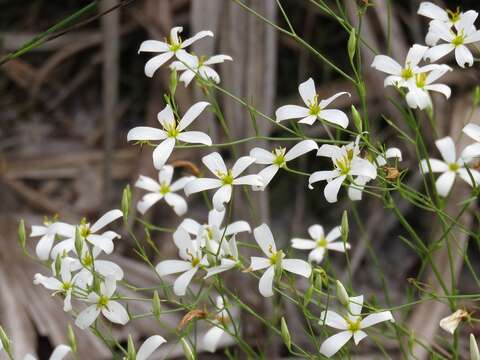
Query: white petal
{"x": 195, "y": 137}
{"x": 178, "y": 203}
{"x": 418, "y": 98}
{"x": 296, "y": 266}
{"x": 60, "y": 352}
{"x": 165, "y": 174}
{"x": 316, "y": 255}
{"x": 116, "y": 313}
{"x": 166, "y": 117}
{"x": 472, "y": 130}
{"x": 324, "y": 103}
{"x": 181, "y": 183}
{"x": 109, "y": 269}
{"x": 168, "y": 267}
{"x": 190, "y": 225}
{"x": 432, "y": 11}
{"x": 149, "y": 346}
{"x": 332, "y": 319}
{"x": 355, "y": 305}
{"x": 87, "y": 317}
{"x": 146, "y": 133}
{"x": 436, "y": 72}
{"x": 303, "y": 244}
{"x": 316, "y": 232}
{"x": 221, "y": 197}
{"x": 435, "y": 164}
{"x": 264, "y": 238}
{"x": 49, "y": 283}
{"x": 102, "y": 242}
{"x": 438, "y": 51}
{"x": 187, "y": 77}
{"x": 217, "y": 59}
{"x": 148, "y": 201}
{"x": 197, "y": 36}
{"x": 212, "y": 338}
{"x": 106, "y": 219}
{"x": 334, "y": 116}
{"x": 331, "y": 151}
{"x": 154, "y": 63}
{"x": 215, "y": 218}
{"x": 338, "y": 246}
{"x": 265, "y": 285}
{"x": 259, "y": 263}
{"x": 178, "y": 66}
{"x": 387, "y": 65}
{"x": 191, "y": 114}
{"x": 208, "y": 73}
{"x": 180, "y": 285}
{"x": 226, "y": 264}
{"x": 415, "y": 55}
{"x": 262, "y": 156}
{"x": 44, "y": 246}
{"x": 334, "y": 234}
{"x": 363, "y": 167}
{"x": 309, "y": 120}
{"x": 38, "y": 230}
{"x": 236, "y": 227}
{"x": 441, "y": 88}
{"x": 307, "y": 92}
{"x": 322, "y": 175}
{"x": 463, "y": 56}
{"x": 334, "y": 343}
{"x": 201, "y": 184}
{"x": 214, "y": 162}
{"x": 467, "y": 178}
{"x": 182, "y": 241}
{"x": 376, "y": 318}
{"x": 108, "y": 287}
{"x": 332, "y": 189}
{"x": 267, "y": 175}
{"x": 358, "y": 336}
{"x": 162, "y": 152}
{"x": 252, "y": 180}
{"x": 446, "y": 146}
{"x": 301, "y": 148}
{"x": 153, "y": 46}
{"x": 291, "y": 112}
{"x": 146, "y": 183}
{"x": 241, "y": 164}
{"x": 471, "y": 152}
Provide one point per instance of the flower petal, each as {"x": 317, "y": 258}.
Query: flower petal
{"x": 291, "y": 112}
{"x": 147, "y": 201}
{"x": 212, "y": 338}
{"x": 180, "y": 285}
{"x": 149, "y": 346}
{"x": 166, "y": 117}
{"x": 472, "y": 130}
{"x": 162, "y": 152}
{"x": 264, "y": 238}
{"x": 147, "y": 183}
{"x": 307, "y": 92}
{"x": 467, "y": 178}
{"x": 191, "y": 114}
{"x": 297, "y": 266}
{"x": 87, "y": 316}
{"x": 252, "y": 180}
{"x": 334, "y": 343}
{"x": 241, "y": 164}
{"x": 265, "y": 285}
{"x": 358, "y": 336}
{"x": 106, "y": 219}
{"x": 324, "y": 103}
{"x": 471, "y": 152}
{"x": 432, "y": 11}
{"x": 153, "y": 46}
{"x": 376, "y": 318}
{"x": 322, "y": 175}
{"x": 225, "y": 265}
{"x": 441, "y": 88}
{"x": 387, "y": 65}
{"x": 259, "y": 263}
{"x": 332, "y": 319}
{"x": 60, "y": 352}
{"x": 338, "y": 246}
{"x": 267, "y": 175}
{"x": 355, "y": 305}
{"x": 415, "y": 55}
{"x": 168, "y": 267}
{"x": 262, "y": 156}
{"x": 435, "y": 164}
{"x": 178, "y": 203}
{"x": 102, "y": 242}
{"x": 438, "y": 51}
{"x": 201, "y": 184}
{"x": 214, "y": 162}
{"x": 181, "y": 183}
{"x": 334, "y": 234}
{"x": 109, "y": 269}
{"x": 221, "y": 197}
{"x": 463, "y": 56}
{"x": 332, "y": 189}
{"x": 303, "y": 244}
{"x": 44, "y": 246}
{"x": 316, "y": 232}
{"x": 236, "y": 227}
{"x": 300, "y": 148}
{"x": 146, "y": 133}
{"x": 334, "y": 116}
{"x": 331, "y": 151}
{"x": 446, "y": 146}
{"x": 116, "y": 313}
{"x": 154, "y": 63}
{"x": 195, "y": 137}
{"x": 197, "y": 36}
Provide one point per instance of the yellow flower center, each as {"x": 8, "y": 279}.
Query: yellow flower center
{"x": 420, "y": 80}
{"x": 459, "y": 39}
{"x": 195, "y": 261}
{"x": 353, "y": 326}
{"x": 322, "y": 242}
{"x": 227, "y": 178}
{"x": 102, "y": 301}
{"x": 171, "y": 129}
{"x": 84, "y": 228}
{"x": 66, "y": 286}
{"x": 164, "y": 188}
{"x": 279, "y": 157}
{"x": 453, "y": 167}
{"x": 407, "y": 73}
{"x": 344, "y": 163}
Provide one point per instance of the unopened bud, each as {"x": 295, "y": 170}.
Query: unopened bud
{"x": 344, "y": 228}
{"x": 131, "y": 354}
{"x": 352, "y": 44}
{"x": 357, "y": 119}
{"x": 22, "y": 235}
{"x": 285, "y": 333}
{"x": 78, "y": 242}
{"x": 342, "y": 294}
{"x": 126, "y": 202}
{"x": 156, "y": 305}
{"x": 173, "y": 82}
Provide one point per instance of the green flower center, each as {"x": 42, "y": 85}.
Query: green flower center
{"x": 84, "y": 229}
{"x": 407, "y": 73}
{"x": 102, "y": 301}
{"x": 322, "y": 242}
{"x": 420, "y": 80}
{"x": 87, "y": 260}
{"x": 453, "y": 167}
{"x": 353, "y": 326}
{"x": 227, "y": 178}
{"x": 279, "y": 157}
{"x": 175, "y": 46}
{"x": 276, "y": 257}
{"x": 164, "y": 188}
{"x": 454, "y": 16}
{"x": 344, "y": 163}
{"x": 458, "y": 40}
{"x": 171, "y": 130}
{"x": 66, "y": 286}
{"x": 195, "y": 261}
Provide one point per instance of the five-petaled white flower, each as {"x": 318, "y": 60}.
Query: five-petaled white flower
{"x": 149, "y": 346}
{"x": 171, "y": 132}
{"x": 472, "y": 151}
{"x": 168, "y": 48}
{"x": 163, "y": 189}
{"x": 58, "y": 354}
{"x": 88, "y": 232}
{"x": 352, "y": 325}
{"x": 450, "y": 167}
{"x": 193, "y": 259}
{"x": 347, "y": 163}
{"x": 320, "y": 243}
{"x": 192, "y": 65}
{"x": 446, "y": 16}
{"x": 315, "y": 109}
{"x": 278, "y": 158}
{"x": 465, "y": 34}
{"x": 275, "y": 261}
{"x": 64, "y": 286}
{"x": 222, "y": 321}
{"x": 226, "y": 178}
{"x": 399, "y": 75}
{"x": 210, "y": 234}
{"x": 103, "y": 303}
{"x": 418, "y": 88}
{"x": 48, "y": 232}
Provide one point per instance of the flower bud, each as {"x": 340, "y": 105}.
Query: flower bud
{"x": 131, "y": 354}
{"x": 344, "y": 228}
{"x": 352, "y": 44}
{"x": 22, "y": 236}
{"x": 342, "y": 294}
{"x": 78, "y": 242}
{"x": 126, "y": 202}
{"x": 285, "y": 333}
{"x": 308, "y": 295}
{"x": 72, "y": 342}
{"x": 476, "y": 96}
{"x": 58, "y": 265}
{"x": 357, "y": 119}
{"x": 474, "y": 354}
{"x": 172, "y": 86}
{"x": 187, "y": 350}
{"x": 156, "y": 305}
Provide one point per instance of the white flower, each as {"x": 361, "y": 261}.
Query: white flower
{"x": 355, "y": 191}
{"x": 275, "y": 261}
{"x": 314, "y": 110}
{"x": 167, "y": 49}
{"x": 163, "y": 189}
{"x": 455, "y": 41}
{"x": 88, "y": 232}
{"x": 193, "y": 259}
{"x": 229, "y": 258}
{"x": 103, "y": 303}
{"x": 399, "y": 75}
{"x": 451, "y": 322}
{"x": 47, "y": 233}
{"x": 418, "y": 88}
{"x": 210, "y": 234}
{"x": 449, "y": 168}
{"x": 472, "y": 151}
{"x": 65, "y": 286}
{"x": 226, "y": 178}
{"x": 171, "y": 132}
{"x": 448, "y": 17}
{"x": 212, "y": 337}
{"x": 346, "y": 163}
{"x": 277, "y": 158}
{"x": 58, "y": 354}
{"x": 192, "y": 65}
{"x": 352, "y": 325}
{"x": 320, "y": 243}
{"x": 149, "y": 346}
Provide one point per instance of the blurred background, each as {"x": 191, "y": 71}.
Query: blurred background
{"x": 66, "y": 106}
